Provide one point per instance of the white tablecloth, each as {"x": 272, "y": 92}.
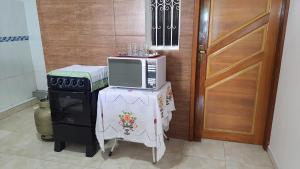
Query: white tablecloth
{"x": 135, "y": 115}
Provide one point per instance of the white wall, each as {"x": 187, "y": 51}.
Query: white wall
{"x": 35, "y": 41}
{"x": 285, "y": 137}
{"x": 17, "y": 80}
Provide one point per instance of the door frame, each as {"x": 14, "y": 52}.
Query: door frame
{"x": 198, "y": 74}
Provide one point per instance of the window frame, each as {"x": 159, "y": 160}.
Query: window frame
{"x": 148, "y": 27}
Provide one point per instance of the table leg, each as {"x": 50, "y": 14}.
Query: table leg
{"x": 166, "y": 137}
{"x": 154, "y": 155}
{"x": 113, "y": 147}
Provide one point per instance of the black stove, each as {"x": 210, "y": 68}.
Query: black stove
{"x": 73, "y": 110}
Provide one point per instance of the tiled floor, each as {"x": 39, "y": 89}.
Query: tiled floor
{"x": 21, "y": 149}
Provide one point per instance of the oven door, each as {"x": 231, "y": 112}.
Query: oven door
{"x": 70, "y": 107}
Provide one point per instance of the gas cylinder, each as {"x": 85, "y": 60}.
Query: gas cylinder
{"x": 43, "y": 121}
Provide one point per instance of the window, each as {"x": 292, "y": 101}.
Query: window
{"x": 162, "y": 24}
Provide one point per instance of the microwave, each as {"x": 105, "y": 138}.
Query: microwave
{"x": 135, "y": 72}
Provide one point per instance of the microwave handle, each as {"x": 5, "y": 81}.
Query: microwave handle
{"x": 144, "y": 72}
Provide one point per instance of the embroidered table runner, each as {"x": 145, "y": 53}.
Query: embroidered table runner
{"x": 139, "y": 116}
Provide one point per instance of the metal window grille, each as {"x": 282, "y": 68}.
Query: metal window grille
{"x": 165, "y": 21}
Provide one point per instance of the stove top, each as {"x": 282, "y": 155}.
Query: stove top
{"x": 78, "y": 78}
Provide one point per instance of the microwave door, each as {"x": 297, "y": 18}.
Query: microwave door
{"x": 126, "y": 72}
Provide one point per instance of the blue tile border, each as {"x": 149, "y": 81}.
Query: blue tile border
{"x": 13, "y": 38}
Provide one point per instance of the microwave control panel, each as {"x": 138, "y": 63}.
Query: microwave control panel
{"x": 151, "y": 74}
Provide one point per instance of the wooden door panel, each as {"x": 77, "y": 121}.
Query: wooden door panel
{"x": 236, "y": 52}
{"x": 229, "y": 15}
{"x": 231, "y": 103}
{"x": 240, "y": 48}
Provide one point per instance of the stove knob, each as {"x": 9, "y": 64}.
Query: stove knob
{"x": 60, "y": 81}
{"x": 67, "y": 82}
{"x": 53, "y": 81}
{"x": 80, "y": 83}
{"x": 74, "y": 83}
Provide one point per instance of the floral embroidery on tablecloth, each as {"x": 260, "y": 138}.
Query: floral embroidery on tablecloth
{"x": 169, "y": 96}
{"x": 161, "y": 105}
{"x": 127, "y": 121}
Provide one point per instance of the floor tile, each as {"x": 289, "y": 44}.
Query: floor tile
{"x": 125, "y": 148}
{"x": 14, "y": 142}
{"x": 211, "y": 149}
{"x": 73, "y": 155}
{"x": 27, "y": 145}
{"x": 20, "y": 122}
{"x": 12, "y": 162}
{"x": 141, "y": 156}
{"x": 35, "y": 148}
{"x": 248, "y": 154}
{"x": 20, "y": 162}
{"x": 190, "y": 162}
{"x": 237, "y": 165}
{"x": 145, "y": 160}
{"x": 4, "y": 133}
{"x": 175, "y": 146}
{"x": 52, "y": 165}
{"x": 117, "y": 163}
{"x": 122, "y": 157}
{"x": 22, "y": 148}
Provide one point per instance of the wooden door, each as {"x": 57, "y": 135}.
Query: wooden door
{"x": 237, "y": 46}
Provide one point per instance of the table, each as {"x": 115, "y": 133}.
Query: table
{"x": 139, "y": 116}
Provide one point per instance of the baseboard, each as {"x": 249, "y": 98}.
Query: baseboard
{"x": 273, "y": 159}
{"x": 16, "y": 108}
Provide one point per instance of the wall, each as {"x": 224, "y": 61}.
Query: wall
{"x": 285, "y": 137}
{"x": 17, "y": 79}
{"x": 35, "y": 42}
{"x": 87, "y": 32}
